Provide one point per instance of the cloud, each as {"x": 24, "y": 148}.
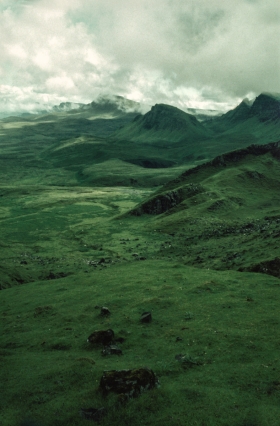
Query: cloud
{"x": 197, "y": 53}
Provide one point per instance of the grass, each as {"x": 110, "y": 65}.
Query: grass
{"x": 51, "y": 372}
{"x": 227, "y": 321}
{"x": 70, "y": 247}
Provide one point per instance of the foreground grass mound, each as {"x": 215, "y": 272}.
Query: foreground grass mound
{"x": 213, "y": 343}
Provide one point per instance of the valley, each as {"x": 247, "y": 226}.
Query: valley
{"x": 154, "y": 212}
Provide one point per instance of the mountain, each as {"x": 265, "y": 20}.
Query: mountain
{"x": 66, "y": 106}
{"x": 265, "y": 108}
{"x": 165, "y": 123}
{"x": 105, "y": 106}
{"x": 98, "y": 143}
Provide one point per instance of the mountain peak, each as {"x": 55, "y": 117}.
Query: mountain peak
{"x": 162, "y": 117}
{"x": 163, "y": 123}
{"x": 266, "y": 107}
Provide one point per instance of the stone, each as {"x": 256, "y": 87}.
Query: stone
{"x": 95, "y": 414}
{"x": 111, "y": 350}
{"x": 128, "y": 382}
{"x": 103, "y": 337}
{"x": 105, "y": 311}
{"x": 146, "y": 317}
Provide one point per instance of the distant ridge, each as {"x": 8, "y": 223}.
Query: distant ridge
{"x": 266, "y": 107}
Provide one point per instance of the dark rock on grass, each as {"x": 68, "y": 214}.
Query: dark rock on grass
{"x": 101, "y": 337}
{"x": 105, "y": 311}
{"x": 270, "y": 267}
{"x": 54, "y": 276}
{"x": 111, "y": 350}
{"x": 146, "y": 317}
{"x": 94, "y": 414}
{"x": 130, "y": 383}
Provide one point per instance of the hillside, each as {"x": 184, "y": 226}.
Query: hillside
{"x": 163, "y": 123}
{"x": 99, "y": 233}
{"x": 96, "y": 144}
{"x": 222, "y": 209}
{"x": 248, "y": 118}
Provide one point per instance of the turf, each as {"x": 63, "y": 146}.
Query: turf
{"x": 206, "y": 267}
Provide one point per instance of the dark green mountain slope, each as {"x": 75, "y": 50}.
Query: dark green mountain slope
{"x": 247, "y": 117}
{"x": 163, "y": 123}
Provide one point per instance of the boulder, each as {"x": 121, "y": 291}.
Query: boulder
{"x": 105, "y": 311}
{"x": 146, "y": 317}
{"x": 130, "y": 383}
{"x": 101, "y": 337}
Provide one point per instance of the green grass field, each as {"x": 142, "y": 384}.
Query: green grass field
{"x": 206, "y": 267}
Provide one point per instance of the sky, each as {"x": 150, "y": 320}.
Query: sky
{"x": 188, "y": 53}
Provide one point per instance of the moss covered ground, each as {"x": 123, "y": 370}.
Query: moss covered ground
{"x": 69, "y": 247}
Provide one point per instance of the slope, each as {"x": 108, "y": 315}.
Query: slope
{"x": 163, "y": 123}
{"x": 219, "y": 211}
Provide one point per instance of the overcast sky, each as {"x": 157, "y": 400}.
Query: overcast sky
{"x": 189, "y": 53}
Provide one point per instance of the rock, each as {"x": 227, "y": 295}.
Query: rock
{"x": 105, "y": 311}
{"x": 111, "y": 350}
{"x": 146, "y": 317}
{"x": 128, "y": 382}
{"x": 54, "y": 276}
{"x": 103, "y": 337}
{"x": 270, "y": 267}
{"x": 159, "y": 204}
{"x": 95, "y": 414}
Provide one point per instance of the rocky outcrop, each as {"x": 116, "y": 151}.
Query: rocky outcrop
{"x": 235, "y": 156}
{"x": 269, "y": 267}
{"x": 159, "y": 204}
{"x": 130, "y": 383}
{"x": 103, "y": 337}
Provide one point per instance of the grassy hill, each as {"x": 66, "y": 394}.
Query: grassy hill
{"x": 163, "y": 123}
{"x": 83, "y": 227}
{"x": 216, "y": 212}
